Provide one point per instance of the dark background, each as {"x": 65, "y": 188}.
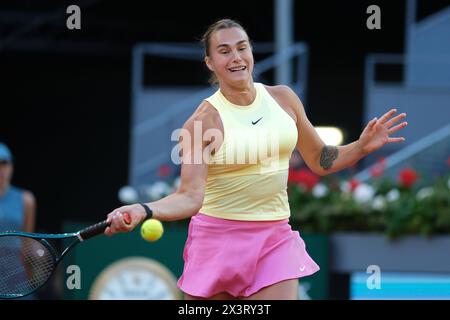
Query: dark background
{"x": 65, "y": 95}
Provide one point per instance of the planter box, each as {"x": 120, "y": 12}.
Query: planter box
{"x": 353, "y": 252}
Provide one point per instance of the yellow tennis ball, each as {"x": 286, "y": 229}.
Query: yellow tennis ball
{"x": 152, "y": 230}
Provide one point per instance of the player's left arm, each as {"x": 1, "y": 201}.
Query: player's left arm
{"x": 323, "y": 159}
{"x": 29, "y": 220}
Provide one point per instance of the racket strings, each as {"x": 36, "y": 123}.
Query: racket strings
{"x": 25, "y": 265}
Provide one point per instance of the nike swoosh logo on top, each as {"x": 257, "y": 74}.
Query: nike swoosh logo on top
{"x": 302, "y": 268}
{"x": 256, "y": 121}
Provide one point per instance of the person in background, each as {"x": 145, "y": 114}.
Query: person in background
{"x": 17, "y": 206}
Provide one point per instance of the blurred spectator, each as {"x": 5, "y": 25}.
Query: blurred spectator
{"x": 17, "y": 206}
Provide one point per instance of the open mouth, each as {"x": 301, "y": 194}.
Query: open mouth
{"x": 236, "y": 69}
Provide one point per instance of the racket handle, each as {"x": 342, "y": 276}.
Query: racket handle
{"x": 100, "y": 227}
{"x": 94, "y": 230}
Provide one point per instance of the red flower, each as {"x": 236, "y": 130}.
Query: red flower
{"x": 354, "y": 184}
{"x": 378, "y": 169}
{"x": 164, "y": 170}
{"x": 407, "y": 177}
{"x": 303, "y": 177}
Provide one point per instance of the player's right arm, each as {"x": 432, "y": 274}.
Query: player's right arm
{"x": 188, "y": 199}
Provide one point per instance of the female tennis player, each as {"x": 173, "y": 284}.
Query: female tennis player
{"x": 233, "y": 182}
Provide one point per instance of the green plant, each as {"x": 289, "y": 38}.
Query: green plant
{"x": 396, "y": 208}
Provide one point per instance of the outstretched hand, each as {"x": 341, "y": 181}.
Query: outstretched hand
{"x": 378, "y": 132}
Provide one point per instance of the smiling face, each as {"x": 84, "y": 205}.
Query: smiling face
{"x": 230, "y": 57}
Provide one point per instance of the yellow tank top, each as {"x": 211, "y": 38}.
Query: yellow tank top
{"x": 247, "y": 175}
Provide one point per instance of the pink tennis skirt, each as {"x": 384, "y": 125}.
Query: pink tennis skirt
{"x": 241, "y": 257}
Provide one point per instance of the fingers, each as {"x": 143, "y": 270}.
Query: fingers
{"x": 120, "y": 222}
{"x": 127, "y": 218}
{"x": 372, "y": 122}
{"x": 394, "y": 120}
{"x": 370, "y": 125}
{"x": 108, "y": 232}
{"x": 387, "y": 115}
{"x": 110, "y": 215}
{"x": 399, "y": 139}
{"x": 397, "y": 127}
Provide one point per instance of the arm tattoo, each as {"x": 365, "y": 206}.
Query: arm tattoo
{"x": 328, "y": 155}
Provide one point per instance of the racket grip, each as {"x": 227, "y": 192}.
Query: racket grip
{"x": 94, "y": 230}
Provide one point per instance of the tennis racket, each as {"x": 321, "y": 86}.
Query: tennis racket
{"x": 28, "y": 260}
